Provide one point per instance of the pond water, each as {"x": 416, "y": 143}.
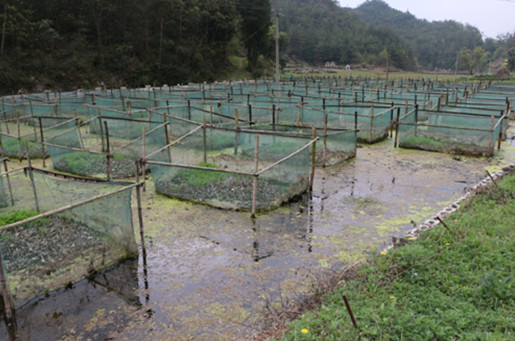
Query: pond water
{"x": 215, "y": 274}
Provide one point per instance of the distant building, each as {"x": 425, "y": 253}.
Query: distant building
{"x": 347, "y": 67}
{"x": 330, "y": 64}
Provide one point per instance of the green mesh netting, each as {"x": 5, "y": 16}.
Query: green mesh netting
{"x": 15, "y": 134}
{"x": 226, "y": 161}
{"x": 333, "y": 147}
{"x": 450, "y": 132}
{"x": 62, "y": 248}
{"x": 83, "y": 150}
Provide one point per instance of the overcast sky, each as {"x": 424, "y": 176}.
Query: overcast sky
{"x": 491, "y": 17}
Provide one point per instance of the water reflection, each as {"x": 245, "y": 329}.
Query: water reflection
{"x": 56, "y": 314}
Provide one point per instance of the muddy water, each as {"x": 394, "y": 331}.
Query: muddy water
{"x": 212, "y": 274}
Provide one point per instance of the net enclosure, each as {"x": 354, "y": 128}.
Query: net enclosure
{"x": 55, "y": 231}
{"x": 234, "y": 168}
{"x": 105, "y": 147}
{"x": 450, "y": 132}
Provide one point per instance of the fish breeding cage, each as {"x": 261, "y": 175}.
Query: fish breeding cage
{"x": 55, "y": 231}
{"x": 22, "y": 137}
{"x": 450, "y": 132}
{"x": 105, "y": 147}
{"x": 234, "y": 168}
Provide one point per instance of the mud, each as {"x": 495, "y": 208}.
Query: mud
{"x": 210, "y": 274}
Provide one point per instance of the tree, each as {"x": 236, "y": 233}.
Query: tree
{"x": 511, "y": 59}
{"x": 255, "y": 22}
{"x": 473, "y": 60}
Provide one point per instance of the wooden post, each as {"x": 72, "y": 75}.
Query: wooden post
{"x": 20, "y": 157}
{"x": 397, "y": 128}
{"x": 416, "y": 118}
{"x": 167, "y": 137}
{"x": 490, "y": 146}
{"x": 8, "y": 182}
{"x": 236, "y": 134}
{"x": 313, "y": 159}
{"x": 204, "y": 137}
{"x": 101, "y": 130}
{"x": 371, "y": 124}
{"x": 140, "y": 213}
{"x": 273, "y": 117}
{"x": 324, "y": 157}
{"x": 8, "y": 305}
{"x": 143, "y": 152}
{"x": 42, "y": 141}
{"x": 250, "y": 114}
{"x": 298, "y": 114}
{"x": 355, "y": 120}
{"x": 189, "y": 110}
{"x": 108, "y": 150}
{"x": 255, "y": 180}
{"x": 31, "y": 176}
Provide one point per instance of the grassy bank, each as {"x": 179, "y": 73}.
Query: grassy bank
{"x": 454, "y": 282}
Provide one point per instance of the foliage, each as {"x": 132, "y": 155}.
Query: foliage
{"x": 511, "y": 59}
{"x": 12, "y": 217}
{"x": 473, "y": 60}
{"x": 454, "y": 283}
{"x": 435, "y": 44}
{"x": 255, "y": 23}
{"x": 199, "y": 178}
{"x": 73, "y": 44}
{"x": 319, "y": 31}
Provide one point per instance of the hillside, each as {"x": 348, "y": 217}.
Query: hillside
{"x": 435, "y": 44}
{"x": 319, "y": 30}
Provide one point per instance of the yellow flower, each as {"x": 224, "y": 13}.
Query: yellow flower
{"x": 392, "y": 297}
{"x": 383, "y": 252}
{"x": 304, "y": 331}
{"x": 447, "y": 244}
{"x": 410, "y": 238}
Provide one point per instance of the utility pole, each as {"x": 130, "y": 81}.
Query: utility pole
{"x": 277, "y": 74}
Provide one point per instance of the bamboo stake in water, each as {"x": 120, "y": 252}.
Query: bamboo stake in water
{"x": 42, "y": 141}
{"x": 313, "y": 156}
{"x": 8, "y": 182}
{"x": 31, "y": 176}
{"x": 108, "y": 150}
{"x": 255, "y": 182}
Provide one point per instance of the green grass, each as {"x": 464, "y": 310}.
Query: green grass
{"x": 450, "y": 284}
{"x": 199, "y": 178}
{"x": 9, "y": 218}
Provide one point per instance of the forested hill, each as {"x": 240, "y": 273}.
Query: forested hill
{"x": 435, "y": 44}
{"x": 319, "y": 31}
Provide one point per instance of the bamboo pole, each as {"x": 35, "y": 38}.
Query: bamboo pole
{"x": 143, "y": 151}
{"x": 313, "y": 157}
{"x": 255, "y": 179}
{"x": 42, "y": 141}
{"x": 324, "y": 157}
{"x": 397, "y": 128}
{"x": 204, "y": 138}
{"x": 140, "y": 213}
{"x": 101, "y": 129}
{"x": 371, "y": 130}
{"x": 19, "y": 135}
{"x": 108, "y": 150}
{"x": 236, "y": 135}
{"x": 8, "y": 181}
{"x": 490, "y": 147}
{"x": 31, "y": 176}
{"x": 8, "y": 304}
